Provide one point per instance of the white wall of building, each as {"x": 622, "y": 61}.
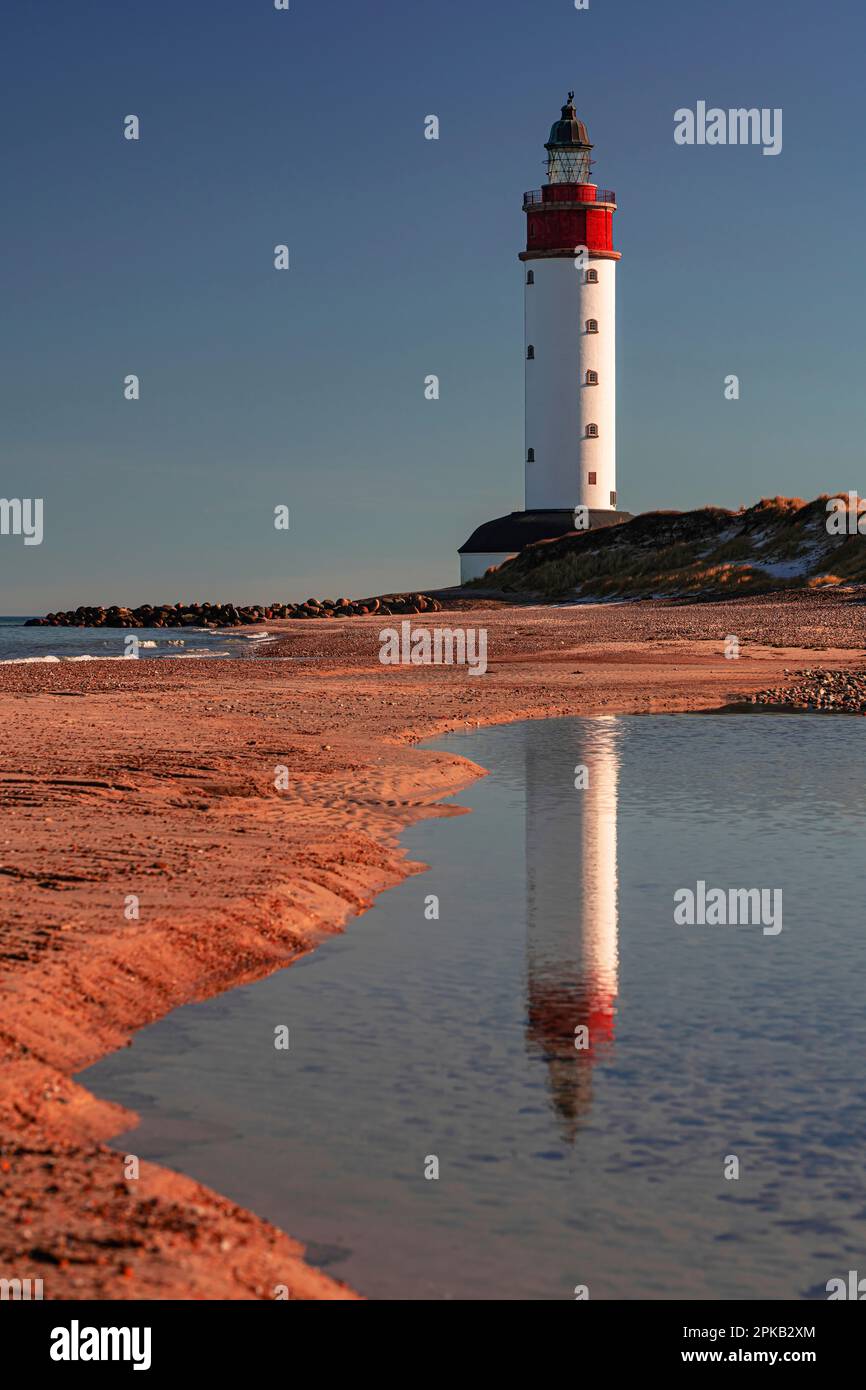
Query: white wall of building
{"x": 474, "y": 566}
{"x": 559, "y": 403}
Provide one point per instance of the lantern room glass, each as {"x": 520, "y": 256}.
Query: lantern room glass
{"x": 569, "y": 164}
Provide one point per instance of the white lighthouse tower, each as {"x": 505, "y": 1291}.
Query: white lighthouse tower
{"x": 570, "y": 330}
{"x": 570, "y": 357}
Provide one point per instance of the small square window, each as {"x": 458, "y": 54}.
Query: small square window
{"x": 530, "y": 456}
{"x": 530, "y": 277}
{"x": 592, "y": 478}
{"x": 613, "y": 499}
{"x": 592, "y": 277}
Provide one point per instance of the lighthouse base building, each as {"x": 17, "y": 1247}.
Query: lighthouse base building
{"x": 504, "y": 537}
{"x": 570, "y": 351}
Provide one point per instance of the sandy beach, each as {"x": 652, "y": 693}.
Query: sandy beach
{"x": 155, "y": 781}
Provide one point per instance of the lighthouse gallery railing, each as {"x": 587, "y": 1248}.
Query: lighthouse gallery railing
{"x": 583, "y": 193}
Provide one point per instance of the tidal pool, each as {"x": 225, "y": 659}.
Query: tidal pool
{"x": 583, "y": 1067}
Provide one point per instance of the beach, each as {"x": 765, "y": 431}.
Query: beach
{"x": 179, "y": 828}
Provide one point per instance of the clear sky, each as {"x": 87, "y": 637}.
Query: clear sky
{"x": 306, "y": 387}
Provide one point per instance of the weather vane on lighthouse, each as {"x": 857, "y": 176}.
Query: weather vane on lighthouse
{"x": 570, "y": 357}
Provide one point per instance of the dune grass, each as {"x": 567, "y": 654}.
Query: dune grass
{"x": 691, "y": 554}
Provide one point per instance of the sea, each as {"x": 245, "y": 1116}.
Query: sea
{"x": 19, "y": 643}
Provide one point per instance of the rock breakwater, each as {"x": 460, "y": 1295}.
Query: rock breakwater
{"x": 218, "y": 615}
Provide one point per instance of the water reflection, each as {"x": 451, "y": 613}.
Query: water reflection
{"x": 456, "y": 1037}
{"x": 571, "y": 914}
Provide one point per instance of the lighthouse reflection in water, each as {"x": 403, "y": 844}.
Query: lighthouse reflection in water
{"x": 455, "y": 1036}
{"x": 572, "y": 914}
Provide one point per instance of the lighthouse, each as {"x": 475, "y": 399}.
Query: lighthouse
{"x": 569, "y": 272}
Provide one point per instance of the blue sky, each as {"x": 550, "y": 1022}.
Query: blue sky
{"x": 305, "y": 388}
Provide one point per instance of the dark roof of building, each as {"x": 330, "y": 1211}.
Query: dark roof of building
{"x": 509, "y": 534}
{"x": 568, "y": 130}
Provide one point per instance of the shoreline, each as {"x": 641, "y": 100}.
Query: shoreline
{"x": 139, "y": 778}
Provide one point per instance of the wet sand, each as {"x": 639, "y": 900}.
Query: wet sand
{"x": 156, "y": 781}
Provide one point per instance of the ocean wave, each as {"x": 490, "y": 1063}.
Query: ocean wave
{"x": 28, "y": 660}
{"x": 88, "y": 656}
{"x": 25, "y": 660}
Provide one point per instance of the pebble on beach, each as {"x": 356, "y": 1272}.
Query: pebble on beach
{"x": 817, "y": 689}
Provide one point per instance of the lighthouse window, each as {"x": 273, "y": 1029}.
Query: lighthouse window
{"x": 592, "y": 277}
{"x": 530, "y": 277}
{"x": 592, "y": 378}
{"x": 592, "y": 478}
{"x": 613, "y": 499}
{"x": 592, "y": 431}
{"x": 592, "y": 325}
{"x": 530, "y": 456}
{"x": 530, "y": 353}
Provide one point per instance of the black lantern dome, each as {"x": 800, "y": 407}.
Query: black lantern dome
{"x": 568, "y": 130}
{"x": 568, "y": 148}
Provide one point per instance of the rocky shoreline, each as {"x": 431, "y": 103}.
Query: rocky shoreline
{"x": 843, "y": 692}
{"x": 218, "y": 615}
